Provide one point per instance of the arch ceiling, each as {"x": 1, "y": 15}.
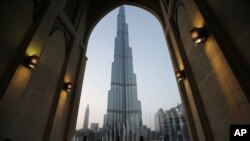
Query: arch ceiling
{"x": 97, "y": 9}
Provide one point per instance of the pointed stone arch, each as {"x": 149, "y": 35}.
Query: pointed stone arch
{"x": 94, "y": 19}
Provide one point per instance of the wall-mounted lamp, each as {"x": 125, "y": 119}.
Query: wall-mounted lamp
{"x": 68, "y": 86}
{"x": 180, "y": 75}
{"x": 32, "y": 61}
{"x": 199, "y": 35}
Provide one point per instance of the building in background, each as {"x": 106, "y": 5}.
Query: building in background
{"x": 86, "y": 118}
{"x": 145, "y": 133}
{"x": 94, "y": 127}
{"x": 97, "y": 133}
{"x": 171, "y": 125}
{"x": 105, "y": 120}
{"x": 160, "y": 124}
{"x": 183, "y": 122}
{"x": 83, "y": 135}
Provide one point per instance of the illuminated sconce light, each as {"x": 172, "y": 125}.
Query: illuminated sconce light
{"x": 180, "y": 75}
{"x": 199, "y": 35}
{"x": 32, "y": 61}
{"x": 68, "y": 86}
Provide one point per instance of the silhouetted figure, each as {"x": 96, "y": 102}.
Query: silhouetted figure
{"x": 85, "y": 138}
{"x": 7, "y": 139}
{"x": 118, "y": 138}
{"x": 141, "y": 138}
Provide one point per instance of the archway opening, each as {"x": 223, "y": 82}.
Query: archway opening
{"x": 156, "y": 84}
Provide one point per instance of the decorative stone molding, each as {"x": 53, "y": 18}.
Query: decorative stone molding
{"x": 38, "y": 8}
{"x": 58, "y": 25}
{"x": 70, "y": 8}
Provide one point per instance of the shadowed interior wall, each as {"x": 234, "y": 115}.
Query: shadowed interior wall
{"x": 232, "y": 19}
{"x": 31, "y": 114}
{"x": 13, "y": 32}
{"x": 222, "y": 97}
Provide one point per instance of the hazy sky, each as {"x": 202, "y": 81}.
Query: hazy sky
{"x": 156, "y": 84}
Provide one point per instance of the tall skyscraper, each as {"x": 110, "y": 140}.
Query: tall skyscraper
{"x": 124, "y": 108}
{"x": 86, "y": 118}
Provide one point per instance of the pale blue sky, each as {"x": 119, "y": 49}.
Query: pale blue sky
{"x": 156, "y": 84}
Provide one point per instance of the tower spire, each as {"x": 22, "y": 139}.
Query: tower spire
{"x": 122, "y": 10}
{"x": 121, "y": 22}
{"x": 86, "y": 118}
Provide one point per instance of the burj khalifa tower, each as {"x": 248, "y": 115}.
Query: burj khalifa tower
{"x": 124, "y": 117}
